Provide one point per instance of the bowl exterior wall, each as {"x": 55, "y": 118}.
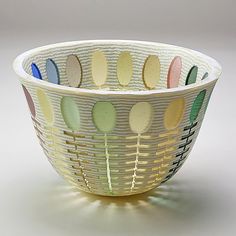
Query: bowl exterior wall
{"x": 117, "y": 144}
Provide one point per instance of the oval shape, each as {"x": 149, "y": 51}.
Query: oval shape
{"x": 70, "y": 113}
{"x": 104, "y": 116}
{"x": 29, "y": 101}
{"x": 73, "y": 71}
{"x": 174, "y": 113}
{"x": 99, "y": 68}
{"x": 35, "y": 71}
{"x": 197, "y": 105}
{"x": 192, "y": 75}
{"x": 205, "y": 76}
{"x": 174, "y": 72}
{"x": 52, "y": 72}
{"x": 151, "y": 71}
{"x": 124, "y": 68}
{"x": 140, "y": 117}
{"x": 46, "y": 106}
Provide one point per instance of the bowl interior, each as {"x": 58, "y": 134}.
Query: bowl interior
{"x": 118, "y": 65}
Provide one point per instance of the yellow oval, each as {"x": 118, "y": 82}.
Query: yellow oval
{"x": 99, "y": 68}
{"x": 46, "y": 106}
{"x": 73, "y": 71}
{"x": 124, "y": 68}
{"x": 151, "y": 71}
{"x": 140, "y": 117}
{"x": 174, "y": 113}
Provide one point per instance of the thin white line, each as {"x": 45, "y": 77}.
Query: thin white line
{"x": 107, "y": 162}
{"x": 136, "y": 163}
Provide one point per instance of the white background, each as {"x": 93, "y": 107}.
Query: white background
{"x": 199, "y": 200}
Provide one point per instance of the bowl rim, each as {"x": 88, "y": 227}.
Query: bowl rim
{"x": 24, "y": 76}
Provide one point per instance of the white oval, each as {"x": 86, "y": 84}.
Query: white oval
{"x": 73, "y": 71}
{"x": 140, "y": 117}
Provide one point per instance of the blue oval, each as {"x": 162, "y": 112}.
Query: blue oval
{"x": 35, "y": 71}
{"x": 52, "y": 72}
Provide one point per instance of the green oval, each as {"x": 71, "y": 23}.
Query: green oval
{"x": 104, "y": 116}
{"x": 192, "y": 76}
{"x": 70, "y": 113}
{"x": 197, "y": 105}
{"x": 205, "y": 76}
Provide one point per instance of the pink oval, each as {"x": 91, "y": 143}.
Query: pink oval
{"x": 174, "y": 72}
{"x": 29, "y": 101}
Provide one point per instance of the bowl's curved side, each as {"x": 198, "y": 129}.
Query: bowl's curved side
{"x": 115, "y": 144}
